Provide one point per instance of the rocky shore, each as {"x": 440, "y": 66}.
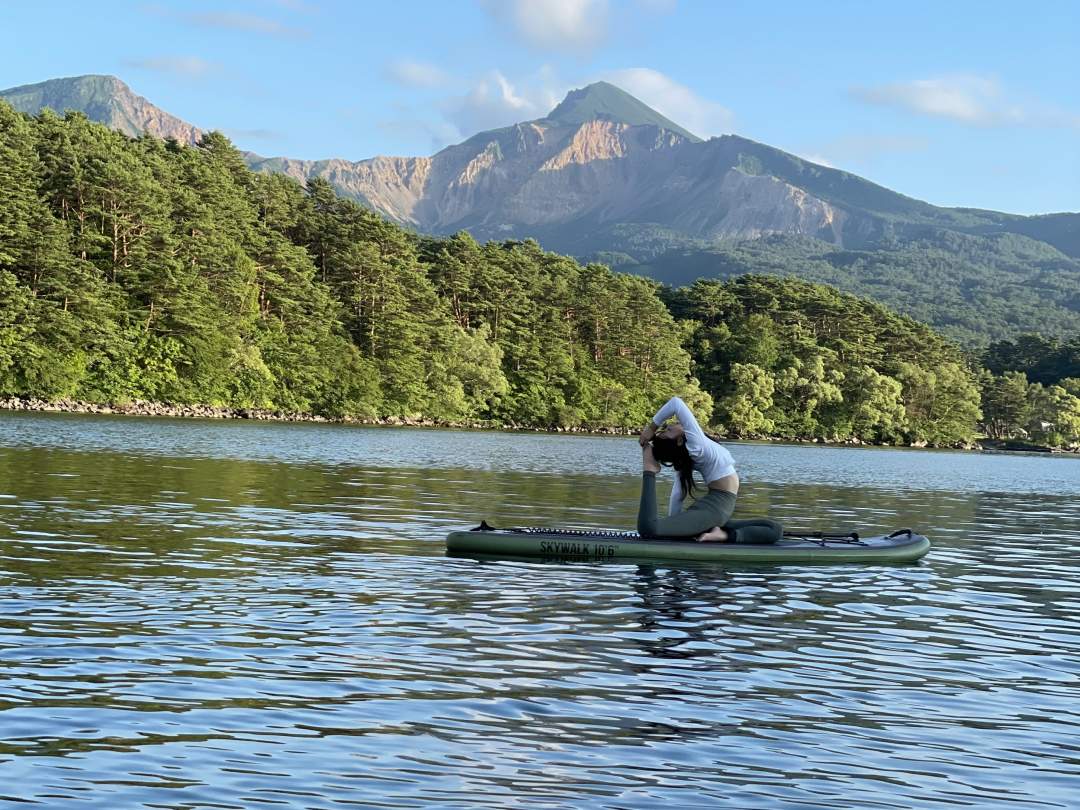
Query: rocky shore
{"x": 144, "y": 408}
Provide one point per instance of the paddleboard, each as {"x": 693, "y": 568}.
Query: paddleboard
{"x": 903, "y": 545}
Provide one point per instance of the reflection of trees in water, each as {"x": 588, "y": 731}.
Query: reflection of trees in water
{"x": 133, "y": 516}
{"x": 1037, "y": 518}
{"x": 163, "y": 507}
{"x": 869, "y": 511}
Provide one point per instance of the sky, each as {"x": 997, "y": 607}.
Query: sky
{"x": 973, "y": 104}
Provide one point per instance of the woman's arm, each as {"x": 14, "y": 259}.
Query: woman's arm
{"x": 675, "y": 503}
{"x": 695, "y": 436}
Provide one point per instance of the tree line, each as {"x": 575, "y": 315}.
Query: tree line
{"x": 146, "y": 269}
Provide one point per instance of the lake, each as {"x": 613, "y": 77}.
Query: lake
{"x": 245, "y": 615}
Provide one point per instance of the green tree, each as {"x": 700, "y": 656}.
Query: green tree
{"x": 941, "y": 405}
{"x": 1006, "y": 404}
{"x": 873, "y": 408}
{"x": 743, "y": 411}
{"x": 1054, "y": 416}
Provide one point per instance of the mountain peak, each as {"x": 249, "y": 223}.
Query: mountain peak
{"x": 105, "y": 99}
{"x": 605, "y": 101}
{"x": 89, "y": 85}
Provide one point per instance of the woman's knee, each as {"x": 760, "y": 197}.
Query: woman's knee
{"x": 758, "y": 531}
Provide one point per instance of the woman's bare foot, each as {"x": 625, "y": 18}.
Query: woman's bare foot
{"x": 713, "y": 535}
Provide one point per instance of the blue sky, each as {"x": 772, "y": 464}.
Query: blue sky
{"x": 957, "y": 103}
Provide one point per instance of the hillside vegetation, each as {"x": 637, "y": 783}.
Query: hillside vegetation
{"x": 135, "y": 268}
{"x": 974, "y": 289}
{"x": 605, "y": 178}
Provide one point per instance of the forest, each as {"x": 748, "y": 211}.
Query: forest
{"x": 142, "y": 269}
{"x": 973, "y": 288}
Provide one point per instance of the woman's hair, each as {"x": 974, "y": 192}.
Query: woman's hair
{"x": 672, "y": 454}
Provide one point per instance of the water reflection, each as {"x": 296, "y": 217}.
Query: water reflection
{"x": 180, "y": 630}
{"x": 176, "y": 440}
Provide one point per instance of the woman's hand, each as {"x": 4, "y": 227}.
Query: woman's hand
{"x": 648, "y": 460}
{"x": 647, "y": 434}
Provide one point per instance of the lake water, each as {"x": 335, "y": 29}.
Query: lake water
{"x": 248, "y": 615}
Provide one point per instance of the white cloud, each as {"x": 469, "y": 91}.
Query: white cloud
{"x": 415, "y": 74}
{"x": 820, "y": 160}
{"x": 675, "y": 101}
{"x": 561, "y": 25}
{"x": 494, "y": 102}
{"x": 190, "y": 66}
{"x": 250, "y": 23}
{"x": 851, "y": 150}
{"x": 967, "y": 99}
{"x": 489, "y": 102}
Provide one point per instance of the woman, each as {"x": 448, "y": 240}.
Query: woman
{"x": 684, "y": 446}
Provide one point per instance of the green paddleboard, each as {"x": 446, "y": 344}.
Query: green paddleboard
{"x": 583, "y": 544}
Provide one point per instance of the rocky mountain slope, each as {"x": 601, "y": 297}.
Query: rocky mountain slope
{"x": 599, "y": 159}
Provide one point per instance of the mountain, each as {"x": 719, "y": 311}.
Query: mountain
{"x": 605, "y": 177}
{"x": 104, "y": 99}
{"x": 601, "y": 172}
{"x": 604, "y": 174}
{"x": 606, "y": 102}
{"x": 599, "y": 161}
{"x": 592, "y": 158}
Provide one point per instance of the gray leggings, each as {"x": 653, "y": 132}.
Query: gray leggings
{"x": 714, "y": 508}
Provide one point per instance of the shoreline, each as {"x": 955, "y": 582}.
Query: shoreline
{"x": 161, "y": 409}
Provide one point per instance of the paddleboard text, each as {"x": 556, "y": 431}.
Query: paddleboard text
{"x": 567, "y": 549}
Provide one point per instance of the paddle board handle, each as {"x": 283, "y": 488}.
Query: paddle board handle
{"x": 822, "y": 535}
